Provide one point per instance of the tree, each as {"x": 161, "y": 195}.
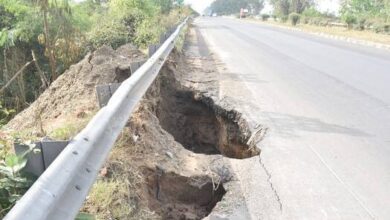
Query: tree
{"x": 44, "y": 7}
{"x": 256, "y": 5}
{"x": 362, "y": 10}
{"x": 56, "y": 33}
{"x": 285, "y": 7}
{"x": 282, "y": 7}
{"x": 165, "y": 5}
{"x": 179, "y": 2}
{"x": 234, "y": 6}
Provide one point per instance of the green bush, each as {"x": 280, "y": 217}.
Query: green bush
{"x": 265, "y": 17}
{"x": 386, "y": 28}
{"x": 306, "y": 20}
{"x": 13, "y": 182}
{"x": 5, "y": 115}
{"x": 294, "y": 18}
{"x": 284, "y": 18}
{"x": 110, "y": 33}
{"x": 311, "y": 13}
{"x": 324, "y": 22}
{"x": 148, "y": 32}
{"x": 350, "y": 19}
{"x": 361, "y": 24}
{"x": 381, "y": 28}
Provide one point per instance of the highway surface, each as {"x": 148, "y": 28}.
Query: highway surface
{"x": 327, "y": 106}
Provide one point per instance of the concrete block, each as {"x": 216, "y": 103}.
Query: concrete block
{"x": 35, "y": 164}
{"x": 163, "y": 38}
{"x": 114, "y": 87}
{"x": 104, "y": 93}
{"x": 152, "y": 49}
{"x": 136, "y": 65}
{"x": 38, "y": 162}
{"x": 51, "y": 149}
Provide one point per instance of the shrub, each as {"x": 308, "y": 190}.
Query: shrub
{"x": 13, "y": 182}
{"x": 5, "y": 114}
{"x": 324, "y": 22}
{"x": 349, "y": 19}
{"x": 265, "y": 17}
{"x": 316, "y": 21}
{"x": 284, "y": 18}
{"x": 361, "y": 23}
{"x": 381, "y": 28}
{"x": 148, "y": 32}
{"x": 311, "y": 13}
{"x": 110, "y": 33}
{"x": 294, "y": 18}
{"x": 386, "y": 28}
{"x": 306, "y": 20}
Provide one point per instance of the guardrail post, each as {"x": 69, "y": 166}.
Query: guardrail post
{"x": 104, "y": 93}
{"x": 136, "y": 65}
{"x": 35, "y": 164}
{"x": 39, "y": 161}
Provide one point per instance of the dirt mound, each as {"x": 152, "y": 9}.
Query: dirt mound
{"x": 151, "y": 175}
{"x": 72, "y": 95}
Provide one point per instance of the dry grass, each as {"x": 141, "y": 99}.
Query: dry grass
{"x": 72, "y": 127}
{"x": 115, "y": 195}
{"x": 338, "y": 31}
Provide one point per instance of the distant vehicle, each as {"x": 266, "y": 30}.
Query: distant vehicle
{"x": 244, "y": 13}
{"x": 214, "y": 15}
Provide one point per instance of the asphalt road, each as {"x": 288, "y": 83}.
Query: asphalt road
{"x": 327, "y": 106}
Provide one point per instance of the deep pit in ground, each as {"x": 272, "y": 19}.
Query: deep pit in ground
{"x": 200, "y": 125}
{"x": 203, "y": 127}
{"x": 173, "y": 196}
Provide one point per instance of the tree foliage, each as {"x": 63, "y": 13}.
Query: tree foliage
{"x": 379, "y": 9}
{"x": 13, "y": 181}
{"x": 286, "y": 7}
{"x": 224, "y": 7}
{"x": 60, "y": 32}
{"x": 362, "y": 13}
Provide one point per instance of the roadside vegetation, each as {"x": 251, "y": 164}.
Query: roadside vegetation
{"x": 361, "y": 19}
{"x": 228, "y": 7}
{"x": 39, "y": 40}
{"x": 13, "y": 181}
{"x": 358, "y": 15}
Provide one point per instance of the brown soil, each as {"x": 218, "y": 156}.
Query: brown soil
{"x": 72, "y": 95}
{"x": 178, "y": 197}
{"x": 177, "y": 175}
{"x": 199, "y": 124}
{"x": 174, "y": 181}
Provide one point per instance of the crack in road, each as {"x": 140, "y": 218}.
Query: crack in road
{"x": 271, "y": 184}
{"x": 347, "y": 187}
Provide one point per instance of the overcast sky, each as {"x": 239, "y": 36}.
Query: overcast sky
{"x": 323, "y": 5}
{"x": 199, "y": 5}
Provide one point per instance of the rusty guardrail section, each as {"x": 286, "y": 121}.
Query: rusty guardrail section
{"x": 61, "y": 190}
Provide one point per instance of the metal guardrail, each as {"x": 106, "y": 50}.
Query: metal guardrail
{"x": 61, "y": 190}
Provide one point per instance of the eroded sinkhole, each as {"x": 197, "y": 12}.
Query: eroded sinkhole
{"x": 173, "y": 196}
{"x": 199, "y": 125}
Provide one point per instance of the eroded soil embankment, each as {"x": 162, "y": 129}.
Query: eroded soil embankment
{"x": 169, "y": 159}
{"x": 174, "y": 196}
{"x": 198, "y": 123}
{"x": 202, "y": 132}
{"x": 168, "y": 162}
